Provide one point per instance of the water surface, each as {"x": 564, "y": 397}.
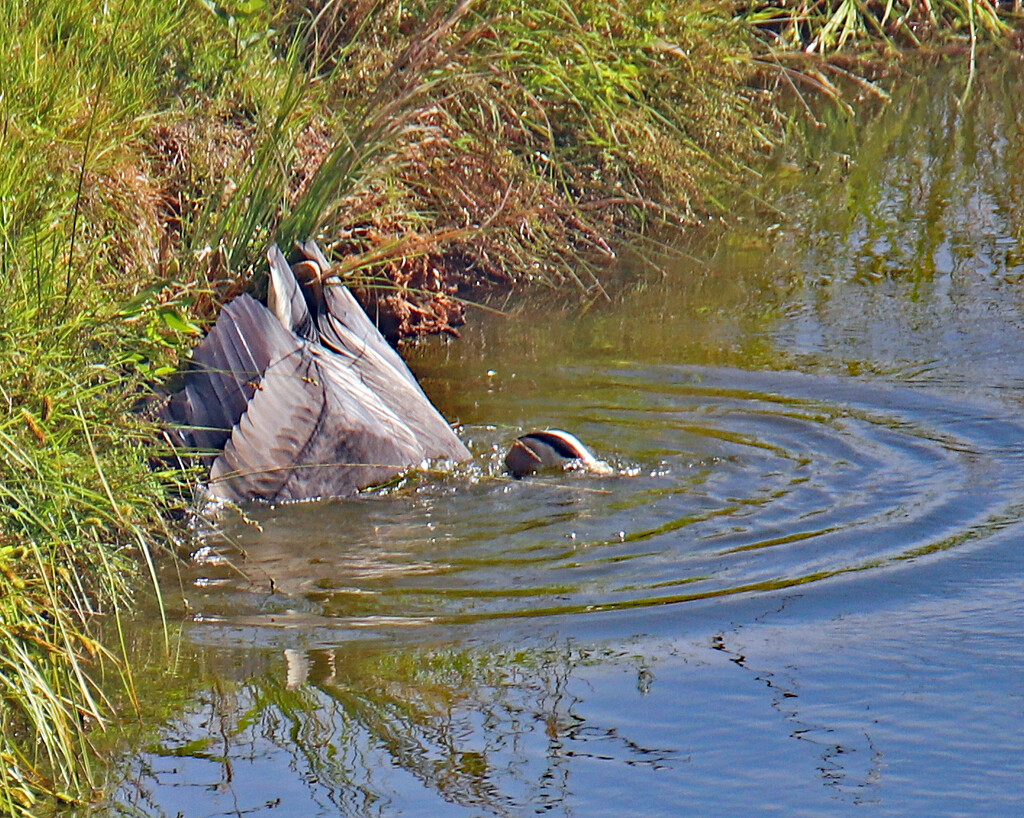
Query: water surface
{"x": 801, "y": 590}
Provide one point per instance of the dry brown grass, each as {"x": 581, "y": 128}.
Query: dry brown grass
{"x": 504, "y": 147}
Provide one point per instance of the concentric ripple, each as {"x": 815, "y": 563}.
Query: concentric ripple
{"x": 727, "y": 482}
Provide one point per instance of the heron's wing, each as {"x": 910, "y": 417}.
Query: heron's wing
{"x": 285, "y": 299}
{"x": 311, "y": 431}
{"x": 346, "y": 329}
{"x": 344, "y": 323}
{"x": 402, "y": 397}
{"x": 295, "y": 418}
{"x": 225, "y": 369}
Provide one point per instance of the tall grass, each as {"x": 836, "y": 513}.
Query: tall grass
{"x": 441, "y": 149}
{"x": 626, "y": 113}
{"x": 537, "y": 133}
{"x": 357, "y": 134}
{"x": 78, "y": 239}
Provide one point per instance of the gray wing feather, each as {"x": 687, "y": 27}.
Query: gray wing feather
{"x": 225, "y": 369}
{"x": 346, "y": 329}
{"x": 285, "y": 297}
{"x": 305, "y": 401}
{"x": 304, "y": 437}
{"x": 344, "y": 323}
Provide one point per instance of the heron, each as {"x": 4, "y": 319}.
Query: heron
{"x": 303, "y": 398}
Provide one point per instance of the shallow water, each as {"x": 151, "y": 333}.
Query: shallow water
{"x": 801, "y": 591}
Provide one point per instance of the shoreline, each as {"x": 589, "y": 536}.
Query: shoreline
{"x": 155, "y": 153}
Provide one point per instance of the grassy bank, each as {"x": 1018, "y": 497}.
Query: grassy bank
{"x": 152, "y": 150}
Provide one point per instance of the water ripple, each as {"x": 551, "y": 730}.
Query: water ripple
{"x": 727, "y": 482}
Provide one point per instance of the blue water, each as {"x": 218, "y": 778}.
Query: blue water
{"x": 801, "y": 592}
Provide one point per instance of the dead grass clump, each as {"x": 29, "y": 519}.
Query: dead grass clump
{"x": 511, "y": 144}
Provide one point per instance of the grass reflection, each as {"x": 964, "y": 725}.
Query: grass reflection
{"x": 495, "y": 729}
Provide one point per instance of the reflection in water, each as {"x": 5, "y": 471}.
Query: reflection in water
{"x": 848, "y": 760}
{"x": 682, "y": 716}
{"x": 361, "y": 726}
{"x": 915, "y": 265}
{"x": 817, "y": 441}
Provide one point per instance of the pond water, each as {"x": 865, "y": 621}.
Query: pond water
{"x": 801, "y": 591}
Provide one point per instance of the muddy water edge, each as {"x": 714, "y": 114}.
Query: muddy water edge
{"x": 802, "y": 589}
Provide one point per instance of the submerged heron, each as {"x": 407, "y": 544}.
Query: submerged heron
{"x": 304, "y": 398}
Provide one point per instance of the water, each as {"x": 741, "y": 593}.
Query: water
{"x": 801, "y": 592}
